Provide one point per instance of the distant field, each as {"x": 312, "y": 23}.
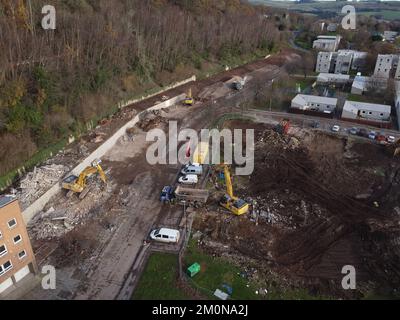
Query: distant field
{"x": 388, "y": 10}
{"x": 385, "y": 14}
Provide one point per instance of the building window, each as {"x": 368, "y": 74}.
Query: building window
{"x": 12, "y": 223}
{"x": 381, "y": 114}
{"x": 363, "y": 111}
{"x": 17, "y": 239}
{"x": 3, "y": 250}
{"x": 370, "y": 112}
{"x": 22, "y": 254}
{"x": 5, "y": 267}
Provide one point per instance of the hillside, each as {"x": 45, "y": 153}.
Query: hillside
{"x": 54, "y": 84}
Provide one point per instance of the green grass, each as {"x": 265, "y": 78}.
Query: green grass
{"x": 218, "y": 271}
{"x": 158, "y": 280}
{"x": 385, "y": 14}
{"x": 215, "y": 272}
{"x": 303, "y": 44}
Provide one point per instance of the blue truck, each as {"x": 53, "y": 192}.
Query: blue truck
{"x": 191, "y": 196}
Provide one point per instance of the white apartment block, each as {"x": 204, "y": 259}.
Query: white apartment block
{"x": 343, "y": 61}
{"x": 385, "y": 63}
{"x": 327, "y": 43}
{"x": 397, "y": 74}
{"x": 340, "y": 62}
{"x": 359, "y": 59}
{"x": 324, "y": 62}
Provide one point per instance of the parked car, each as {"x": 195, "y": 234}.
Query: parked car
{"x": 335, "y": 128}
{"x": 188, "y": 179}
{"x": 353, "y": 130}
{"x": 372, "y": 135}
{"x": 391, "y": 139}
{"x": 165, "y": 235}
{"x": 191, "y": 169}
{"x": 315, "y": 124}
{"x": 380, "y": 137}
{"x": 363, "y": 132}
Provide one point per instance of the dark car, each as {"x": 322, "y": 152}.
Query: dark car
{"x": 363, "y": 132}
{"x": 353, "y": 130}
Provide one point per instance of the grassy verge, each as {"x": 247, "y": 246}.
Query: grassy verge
{"x": 215, "y": 272}
{"x": 158, "y": 280}
{"x": 303, "y": 44}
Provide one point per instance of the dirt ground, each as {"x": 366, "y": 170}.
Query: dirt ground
{"x": 94, "y": 243}
{"x": 321, "y": 202}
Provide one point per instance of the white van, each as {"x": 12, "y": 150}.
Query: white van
{"x": 165, "y": 235}
{"x": 189, "y": 179}
{"x": 192, "y": 170}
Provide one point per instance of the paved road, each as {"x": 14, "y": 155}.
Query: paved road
{"x": 306, "y": 121}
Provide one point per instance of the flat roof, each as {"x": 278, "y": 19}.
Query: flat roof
{"x": 333, "y": 75}
{"x": 6, "y": 199}
{"x": 328, "y": 37}
{"x": 303, "y": 98}
{"x": 367, "y": 106}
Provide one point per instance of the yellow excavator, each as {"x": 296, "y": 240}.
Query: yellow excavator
{"x": 234, "y": 204}
{"x": 78, "y": 184}
{"x": 189, "y": 101}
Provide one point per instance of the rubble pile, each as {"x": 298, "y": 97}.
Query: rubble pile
{"x": 37, "y": 182}
{"x": 152, "y": 119}
{"x": 68, "y": 213}
{"x": 55, "y": 223}
{"x": 273, "y": 138}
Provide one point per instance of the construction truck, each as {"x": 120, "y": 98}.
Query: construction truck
{"x": 192, "y": 197}
{"x": 283, "y": 127}
{"x": 239, "y": 83}
{"x": 78, "y": 184}
{"x": 234, "y": 204}
{"x": 189, "y": 101}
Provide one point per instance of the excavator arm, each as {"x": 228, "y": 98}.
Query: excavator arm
{"x": 228, "y": 181}
{"x": 101, "y": 173}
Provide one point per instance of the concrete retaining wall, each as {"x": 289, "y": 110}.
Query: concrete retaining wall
{"x": 124, "y": 104}
{"x": 40, "y": 203}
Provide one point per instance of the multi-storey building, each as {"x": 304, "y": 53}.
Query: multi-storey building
{"x": 385, "y": 65}
{"x": 16, "y": 255}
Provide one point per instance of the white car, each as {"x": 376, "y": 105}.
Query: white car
{"x": 391, "y": 139}
{"x": 165, "y": 235}
{"x": 189, "y": 179}
{"x": 372, "y": 135}
{"x": 335, "y": 128}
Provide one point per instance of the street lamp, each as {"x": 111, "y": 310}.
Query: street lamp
{"x": 270, "y": 98}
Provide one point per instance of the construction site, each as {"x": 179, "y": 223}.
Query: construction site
{"x": 314, "y": 203}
